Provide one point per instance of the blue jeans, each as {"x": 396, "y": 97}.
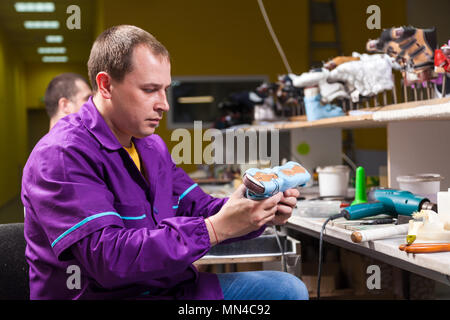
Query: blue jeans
{"x": 262, "y": 285}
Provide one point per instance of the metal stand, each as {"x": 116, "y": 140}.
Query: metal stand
{"x": 394, "y": 90}
{"x": 443, "y": 85}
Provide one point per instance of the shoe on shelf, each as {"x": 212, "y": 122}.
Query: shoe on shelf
{"x": 332, "y": 91}
{"x": 328, "y": 91}
{"x": 442, "y": 59}
{"x": 315, "y": 110}
{"x": 336, "y": 61}
{"x": 369, "y": 76}
{"x": 264, "y": 183}
{"x": 309, "y": 79}
{"x": 411, "y": 47}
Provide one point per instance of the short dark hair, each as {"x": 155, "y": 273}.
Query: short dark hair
{"x": 113, "y": 48}
{"x": 61, "y": 86}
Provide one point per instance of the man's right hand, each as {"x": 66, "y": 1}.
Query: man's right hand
{"x": 240, "y": 216}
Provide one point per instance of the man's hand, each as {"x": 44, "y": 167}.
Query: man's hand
{"x": 285, "y": 207}
{"x": 240, "y": 216}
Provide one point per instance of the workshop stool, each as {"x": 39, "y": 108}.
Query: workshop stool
{"x": 13, "y": 266}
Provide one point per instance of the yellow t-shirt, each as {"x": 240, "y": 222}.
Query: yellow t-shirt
{"x": 134, "y": 155}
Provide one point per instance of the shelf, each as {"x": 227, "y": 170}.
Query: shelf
{"x": 364, "y": 120}
{"x": 357, "y": 121}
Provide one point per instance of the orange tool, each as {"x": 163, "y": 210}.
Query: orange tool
{"x": 425, "y": 247}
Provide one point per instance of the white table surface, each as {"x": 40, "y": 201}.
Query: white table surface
{"x": 432, "y": 265}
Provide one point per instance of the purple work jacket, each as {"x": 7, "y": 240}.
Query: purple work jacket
{"x": 98, "y": 228}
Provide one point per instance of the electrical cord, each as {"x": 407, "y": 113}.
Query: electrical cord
{"x": 274, "y": 36}
{"x": 349, "y": 161}
{"x": 283, "y": 257}
{"x": 336, "y": 216}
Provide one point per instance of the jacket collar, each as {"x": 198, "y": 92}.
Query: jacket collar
{"x": 96, "y": 125}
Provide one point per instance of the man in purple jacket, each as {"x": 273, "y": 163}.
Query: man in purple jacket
{"x": 110, "y": 216}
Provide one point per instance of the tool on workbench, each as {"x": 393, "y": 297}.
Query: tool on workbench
{"x": 360, "y": 186}
{"x": 425, "y": 247}
{"x": 379, "y": 221}
{"x": 389, "y": 201}
{"x": 379, "y": 233}
{"x": 393, "y": 202}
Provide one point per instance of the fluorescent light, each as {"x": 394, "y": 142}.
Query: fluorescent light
{"x": 34, "y": 6}
{"x": 41, "y": 24}
{"x": 54, "y": 39}
{"x": 198, "y": 99}
{"x": 55, "y": 59}
{"x": 51, "y": 50}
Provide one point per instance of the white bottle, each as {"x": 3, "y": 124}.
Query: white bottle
{"x": 443, "y": 204}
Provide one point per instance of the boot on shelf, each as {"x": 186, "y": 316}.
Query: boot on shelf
{"x": 315, "y": 110}
{"x": 412, "y": 48}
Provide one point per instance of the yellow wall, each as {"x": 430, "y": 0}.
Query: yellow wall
{"x": 218, "y": 37}
{"x": 22, "y": 86}
{"x": 370, "y": 138}
{"x": 13, "y": 126}
{"x": 352, "y": 21}
{"x": 39, "y": 75}
{"x": 230, "y": 37}
{"x": 205, "y": 38}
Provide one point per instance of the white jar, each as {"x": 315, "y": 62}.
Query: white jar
{"x": 425, "y": 184}
{"x": 333, "y": 180}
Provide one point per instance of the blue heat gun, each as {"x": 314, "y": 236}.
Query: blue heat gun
{"x": 389, "y": 201}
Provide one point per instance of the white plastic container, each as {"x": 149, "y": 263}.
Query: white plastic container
{"x": 333, "y": 180}
{"x": 426, "y": 184}
{"x": 443, "y": 202}
{"x": 317, "y": 208}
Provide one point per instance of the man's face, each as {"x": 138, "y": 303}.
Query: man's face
{"x": 139, "y": 100}
{"x": 82, "y": 95}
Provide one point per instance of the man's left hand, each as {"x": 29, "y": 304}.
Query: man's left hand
{"x": 285, "y": 207}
